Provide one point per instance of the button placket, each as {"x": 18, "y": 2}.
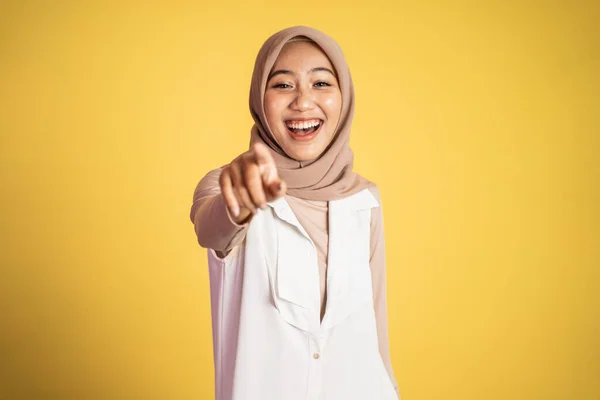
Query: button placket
{"x": 315, "y": 379}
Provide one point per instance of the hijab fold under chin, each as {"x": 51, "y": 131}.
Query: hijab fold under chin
{"x": 330, "y": 177}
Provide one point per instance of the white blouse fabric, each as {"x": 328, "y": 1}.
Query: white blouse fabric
{"x": 269, "y": 340}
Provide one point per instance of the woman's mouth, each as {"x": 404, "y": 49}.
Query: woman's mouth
{"x": 304, "y": 130}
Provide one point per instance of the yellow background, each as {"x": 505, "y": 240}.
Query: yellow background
{"x": 478, "y": 120}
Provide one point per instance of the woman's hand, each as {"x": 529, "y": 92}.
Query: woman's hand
{"x": 249, "y": 182}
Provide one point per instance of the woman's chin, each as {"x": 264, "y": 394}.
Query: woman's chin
{"x": 304, "y": 155}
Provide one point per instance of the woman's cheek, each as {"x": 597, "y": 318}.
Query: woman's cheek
{"x": 271, "y": 110}
{"x": 333, "y": 103}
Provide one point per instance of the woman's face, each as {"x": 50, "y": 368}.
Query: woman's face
{"x": 303, "y": 100}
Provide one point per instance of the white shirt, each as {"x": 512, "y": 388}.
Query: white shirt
{"x": 269, "y": 341}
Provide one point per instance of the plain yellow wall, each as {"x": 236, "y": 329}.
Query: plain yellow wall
{"x": 478, "y": 120}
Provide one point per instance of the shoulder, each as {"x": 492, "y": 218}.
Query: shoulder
{"x": 376, "y": 220}
{"x": 374, "y": 190}
{"x": 376, "y": 212}
{"x": 369, "y": 186}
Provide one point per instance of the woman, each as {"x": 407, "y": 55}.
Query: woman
{"x": 295, "y": 238}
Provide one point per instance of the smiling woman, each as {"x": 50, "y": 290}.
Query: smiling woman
{"x": 295, "y": 240}
{"x": 303, "y": 100}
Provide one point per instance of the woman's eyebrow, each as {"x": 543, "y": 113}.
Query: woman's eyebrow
{"x": 279, "y": 72}
{"x": 322, "y": 69}
{"x": 288, "y": 72}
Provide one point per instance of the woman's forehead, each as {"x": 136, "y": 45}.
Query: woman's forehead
{"x": 301, "y": 53}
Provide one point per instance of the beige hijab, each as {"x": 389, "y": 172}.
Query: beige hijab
{"x": 330, "y": 177}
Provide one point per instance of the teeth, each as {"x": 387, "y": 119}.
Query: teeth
{"x": 304, "y": 124}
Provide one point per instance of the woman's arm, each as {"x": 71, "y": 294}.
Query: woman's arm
{"x": 378, "y": 276}
{"x": 215, "y": 228}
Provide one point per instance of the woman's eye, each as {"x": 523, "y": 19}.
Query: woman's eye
{"x": 322, "y": 84}
{"x": 282, "y": 86}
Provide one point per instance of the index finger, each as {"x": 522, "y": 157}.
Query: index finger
{"x": 266, "y": 164}
{"x": 262, "y": 154}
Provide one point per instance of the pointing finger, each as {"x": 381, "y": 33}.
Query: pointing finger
{"x": 266, "y": 164}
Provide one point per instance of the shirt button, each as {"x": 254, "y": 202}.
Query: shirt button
{"x": 316, "y": 356}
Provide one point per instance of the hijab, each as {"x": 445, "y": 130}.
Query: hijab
{"x": 330, "y": 176}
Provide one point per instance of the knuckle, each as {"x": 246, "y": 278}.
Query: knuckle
{"x": 256, "y": 194}
{"x": 251, "y": 172}
{"x": 235, "y": 176}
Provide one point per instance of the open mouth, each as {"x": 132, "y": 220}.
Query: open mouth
{"x": 304, "y": 130}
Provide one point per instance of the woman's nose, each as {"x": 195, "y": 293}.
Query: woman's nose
{"x": 303, "y": 101}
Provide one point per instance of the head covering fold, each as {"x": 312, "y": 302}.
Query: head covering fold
{"x": 330, "y": 176}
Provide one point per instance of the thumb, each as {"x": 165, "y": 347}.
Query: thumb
{"x": 276, "y": 189}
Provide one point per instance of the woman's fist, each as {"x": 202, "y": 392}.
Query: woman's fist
{"x": 250, "y": 181}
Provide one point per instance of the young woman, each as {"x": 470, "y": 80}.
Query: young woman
{"x": 295, "y": 240}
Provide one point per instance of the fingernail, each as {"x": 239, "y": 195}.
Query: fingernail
{"x": 235, "y": 211}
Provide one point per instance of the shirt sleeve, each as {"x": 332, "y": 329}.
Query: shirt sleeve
{"x": 215, "y": 229}
{"x": 378, "y": 276}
